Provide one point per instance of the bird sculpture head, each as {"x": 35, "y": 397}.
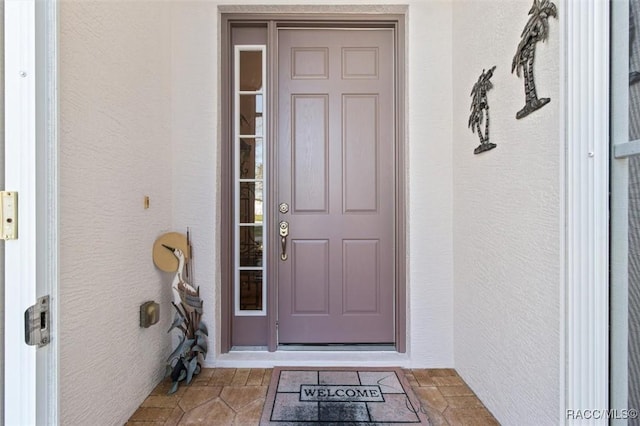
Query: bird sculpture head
{"x": 187, "y": 292}
{"x": 176, "y": 251}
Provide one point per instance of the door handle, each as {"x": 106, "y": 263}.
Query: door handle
{"x": 284, "y": 232}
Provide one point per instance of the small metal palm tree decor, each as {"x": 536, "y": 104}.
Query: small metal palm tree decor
{"x": 536, "y": 29}
{"x": 480, "y": 110}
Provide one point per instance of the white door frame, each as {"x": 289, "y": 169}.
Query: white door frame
{"x": 396, "y": 14}
{"x": 585, "y": 296}
{"x": 31, "y": 170}
{"x": 20, "y": 169}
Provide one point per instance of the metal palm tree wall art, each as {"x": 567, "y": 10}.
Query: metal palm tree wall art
{"x": 480, "y": 110}
{"x": 536, "y": 29}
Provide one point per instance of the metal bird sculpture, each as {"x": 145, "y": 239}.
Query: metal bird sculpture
{"x": 184, "y": 289}
{"x": 188, "y": 357}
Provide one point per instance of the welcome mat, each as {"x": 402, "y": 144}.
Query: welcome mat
{"x": 354, "y": 396}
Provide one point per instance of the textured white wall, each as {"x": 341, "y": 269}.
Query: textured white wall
{"x": 430, "y": 221}
{"x": 115, "y": 147}
{"x": 194, "y": 112}
{"x": 507, "y": 220}
{"x": 196, "y": 65}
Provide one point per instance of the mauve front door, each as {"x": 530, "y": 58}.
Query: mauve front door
{"x": 335, "y": 171}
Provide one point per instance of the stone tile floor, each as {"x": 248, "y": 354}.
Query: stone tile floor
{"x": 229, "y": 397}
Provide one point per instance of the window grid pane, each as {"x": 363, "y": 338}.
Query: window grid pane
{"x": 250, "y": 176}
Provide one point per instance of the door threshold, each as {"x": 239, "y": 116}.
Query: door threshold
{"x": 260, "y": 357}
{"x": 249, "y": 348}
{"x": 329, "y": 347}
{"x": 338, "y": 347}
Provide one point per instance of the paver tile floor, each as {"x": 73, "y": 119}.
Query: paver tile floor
{"x": 229, "y": 396}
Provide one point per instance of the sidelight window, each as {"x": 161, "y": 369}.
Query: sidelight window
{"x": 250, "y": 286}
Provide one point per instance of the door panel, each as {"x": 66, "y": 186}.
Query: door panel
{"x": 309, "y": 63}
{"x": 361, "y": 283}
{"x": 360, "y": 164}
{"x": 335, "y": 144}
{"x": 310, "y": 153}
{"x": 310, "y": 284}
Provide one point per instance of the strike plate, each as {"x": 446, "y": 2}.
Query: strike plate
{"x": 36, "y": 323}
{"x": 9, "y": 215}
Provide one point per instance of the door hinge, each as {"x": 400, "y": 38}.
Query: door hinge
{"x": 9, "y": 215}
{"x": 36, "y": 323}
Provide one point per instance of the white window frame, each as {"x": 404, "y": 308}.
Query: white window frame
{"x": 237, "y": 181}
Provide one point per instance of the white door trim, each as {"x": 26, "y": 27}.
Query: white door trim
{"x": 31, "y": 170}
{"x": 585, "y": 325}
{"x": 20, "y": 172}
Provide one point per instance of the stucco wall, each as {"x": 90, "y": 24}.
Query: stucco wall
{"x": 507, "y": 220}
{"x": 115, "y": 148}
{"x": 430, "y": 221}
